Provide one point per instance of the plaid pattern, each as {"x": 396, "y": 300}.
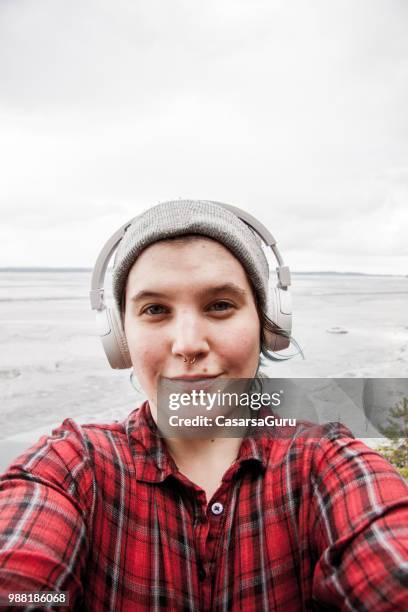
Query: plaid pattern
{"x": 318, "y": 521}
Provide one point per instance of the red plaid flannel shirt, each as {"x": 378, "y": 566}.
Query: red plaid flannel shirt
{"x": 314, "y": 521}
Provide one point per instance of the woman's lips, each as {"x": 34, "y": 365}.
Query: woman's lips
{"x": 187, "y": 383}
{"x": 195, "y": 377}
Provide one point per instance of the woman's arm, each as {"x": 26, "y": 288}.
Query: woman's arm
{"x": 360, "y": 528}
{"x": 44, "y": 517}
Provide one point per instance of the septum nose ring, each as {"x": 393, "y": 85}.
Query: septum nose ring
{"x": 190, "y": 361}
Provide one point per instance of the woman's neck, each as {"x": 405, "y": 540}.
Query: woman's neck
{"x": 198, "y": 454}
{"x": 205, "y": 452}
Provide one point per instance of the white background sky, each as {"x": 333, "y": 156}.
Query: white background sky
{"x": 296, "y": 111}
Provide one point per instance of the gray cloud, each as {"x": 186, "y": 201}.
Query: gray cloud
{"x": 295, "y": 112}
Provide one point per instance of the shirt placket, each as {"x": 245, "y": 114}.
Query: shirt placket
{"x": 208, "y": 529}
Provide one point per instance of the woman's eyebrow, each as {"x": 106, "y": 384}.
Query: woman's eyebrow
{"x": 226, "y": 288}
{"x": 211, "y": 290}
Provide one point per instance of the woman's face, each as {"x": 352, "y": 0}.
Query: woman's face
{"x": 190, "y": 299}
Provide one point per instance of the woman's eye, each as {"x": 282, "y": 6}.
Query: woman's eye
{"x": 221, "y": 306}
{"x": 157, "y": 309}
{"x": 154, "y": 309}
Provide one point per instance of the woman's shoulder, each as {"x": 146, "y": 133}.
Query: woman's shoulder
{"x": 73, "y": 447}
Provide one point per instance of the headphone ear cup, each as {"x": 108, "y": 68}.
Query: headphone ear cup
{"x": 113, "y": 338}
{"x": 280, "y": 313}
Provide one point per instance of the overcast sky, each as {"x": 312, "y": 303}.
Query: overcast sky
{"x": 295, "y": 111}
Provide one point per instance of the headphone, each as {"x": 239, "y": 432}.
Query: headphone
{"x": 109, "y": 323}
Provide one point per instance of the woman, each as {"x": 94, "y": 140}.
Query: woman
{"x": 121, "y": 518}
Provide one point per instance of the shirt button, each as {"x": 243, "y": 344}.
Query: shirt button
{"x": 201, "y": 573}
{"x": 217, "y": 508}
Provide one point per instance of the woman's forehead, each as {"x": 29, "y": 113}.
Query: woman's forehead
{"x": 199, "y": 252}
{"x": 193, "y": 262}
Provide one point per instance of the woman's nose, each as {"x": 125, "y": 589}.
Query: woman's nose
{"x": 190, "y": 336}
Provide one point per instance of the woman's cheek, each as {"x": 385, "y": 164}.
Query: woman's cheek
{"x": 247, "y": 349}
{"x": 246, "y": 336}
{"x": 146, "y": 358}
{"x": 241, "y": 348}
{"x": 142, "y": 353}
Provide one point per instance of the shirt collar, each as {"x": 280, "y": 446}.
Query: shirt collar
{"x": 153, "y": 462}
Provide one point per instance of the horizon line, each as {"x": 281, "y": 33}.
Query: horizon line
{"x": 86, "y": 269}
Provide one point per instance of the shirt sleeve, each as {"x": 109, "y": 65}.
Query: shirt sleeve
{"x": 360, "y": 528}
{"x": 45, "y": 497}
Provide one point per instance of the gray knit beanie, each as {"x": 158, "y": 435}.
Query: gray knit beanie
{"x": 180, "y": 217}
